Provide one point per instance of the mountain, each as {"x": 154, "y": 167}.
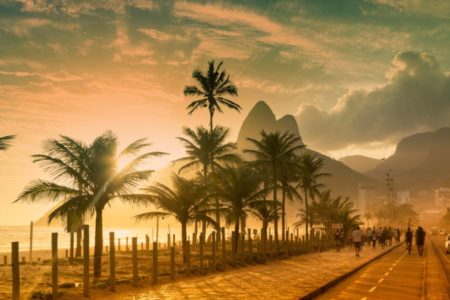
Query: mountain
{"x": 420, "y": 162}
{"x": 360, "y": 163}
{"x": 344, "y": 180}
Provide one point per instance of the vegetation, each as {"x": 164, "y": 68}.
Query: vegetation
{"x": 273, "y": 152}
{"x": 87, "y": 179}
{"x": 5, "y": 142}
{"x": 186, "y": 202}
{"x": 214, "y": 86}
{"x": 309, "y": 173}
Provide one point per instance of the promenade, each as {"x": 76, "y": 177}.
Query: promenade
{"x": 280, "y": 279}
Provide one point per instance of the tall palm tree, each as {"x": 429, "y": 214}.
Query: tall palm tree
{"x": 207, "y": 150}
{"x": 288, "y": 175}
{"x": 186, "y": 202}
{"x": 214, "y": 86}
{"x": 5, "y": 141}
{"x": 97, "y": 182}
{"x": 309, "y": 169}
{"x": 274, "y": 151}
{"x": 237, "y": 186}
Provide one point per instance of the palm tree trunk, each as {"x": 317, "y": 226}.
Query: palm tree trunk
{"x": 275, "y": 207}
{"x": 307, "y": 216}
{"x": 71, "y": 244}
{"x": 211, "y": 116}
{"x": 98, "y": 242}
{"x": 184, "y": 241}
{"x": 78, "y": 248}
{"x": 236, "y": 235}
{"x": 283, "y": 214}
{"x": 195, "y": 232}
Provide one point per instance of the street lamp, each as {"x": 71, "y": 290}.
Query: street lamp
{"x": 390, "y": 188}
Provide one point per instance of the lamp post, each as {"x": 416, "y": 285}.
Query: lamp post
{"x": 390, "y": 188}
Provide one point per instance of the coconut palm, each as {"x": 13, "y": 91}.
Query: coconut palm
{"x": 207, "y": 150}
{"x": 186, "y": 202}
{"x": 274, "y": 151}
{"x": 214, "y": 86}
{"x": 288, "y": 175}
{"x": 264, "y": 211}
{"x": 237, "y": 186}
{"x": 5, "y": 141}
{"x": 309, "y": 173}
{"x": 90, "y": 179}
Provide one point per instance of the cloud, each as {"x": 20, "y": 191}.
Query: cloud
{"x": 416, "y": 98}
{"x": 160, "y": 35}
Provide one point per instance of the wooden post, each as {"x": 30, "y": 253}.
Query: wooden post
{"x": 5, "y": 260}
{"x": 147, "y": 243}
{"x": 112, "y": 262}
{"x": 224, "y": 259}
{"x": 31, "y": 242}
{"x": 54, "y": 265}
{"x": 86, "y": 260}
{"x": 72, "y": 241}
{"x": 135, "y": 262}
{"x": 173, "y": 240}
{"x": 106, "y": 249}
{"x": 250, "y": 250}
{"x": 213, "y": 250}
{"x": 15, "y": 270}
{"x": 142, "y": 246}
{"x": 202, "y": 244}
{"x": 168, "y": 241}
{"x": 155, "y": 264}
{"x": 118, "y": 246}
{"x": 242, "y": 247}
{"x": 127, "y": 249}
{"x": 233, "y": 244}
{"x": 188, "y": 258}
{"x": 172, "y": 263}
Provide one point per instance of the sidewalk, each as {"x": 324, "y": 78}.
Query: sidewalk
{"x": 281, "y": 279}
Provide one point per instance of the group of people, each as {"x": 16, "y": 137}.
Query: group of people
{"x": 380, "y": 236}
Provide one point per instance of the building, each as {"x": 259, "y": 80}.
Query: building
{"x": 442, "y": 197}
{"x": 403, "y": 196}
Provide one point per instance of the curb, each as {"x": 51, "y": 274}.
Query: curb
{"x": 327, "y": 286}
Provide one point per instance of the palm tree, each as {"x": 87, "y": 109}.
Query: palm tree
{"x": 90, "y": 179}
{"x": 214, "y": 86}
{"x": 309, "y": 173}
{"x": 288, "y": 175}
{"x": 186, "y": 202}
{"x": 273, "y": 152}
{"x": 207, "y": 150}
{"x": 4, "y": 141}
{"x": 237, "y": 186}
{"x": 264, "y": 211}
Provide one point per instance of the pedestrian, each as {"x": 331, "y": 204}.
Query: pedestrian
{"x": 374, "y": 237}
{"x": 369, "y": 236}
{"x": 420, "y": 240}
{"x": 337, "y": 238}
{"x": 408, "y": 239}
{"x": 398, "y": 235}
{"x": 357, "y": 239}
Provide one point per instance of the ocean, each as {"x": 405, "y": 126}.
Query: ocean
{"x": 42, "y": 236}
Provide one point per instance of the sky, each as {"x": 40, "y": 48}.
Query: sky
{"x": 357, "y": 75}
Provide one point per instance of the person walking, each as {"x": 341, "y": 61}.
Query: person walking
{"x": 357, "y": 239}
{"x": 408, "y": 239}
{"x": 374, "y": 237}
{"x": 420, "y": 240}
{"x": 398, "y": 235}
{"x": 337, "y": 238}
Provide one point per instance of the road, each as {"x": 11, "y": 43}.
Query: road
{"x": 398, "y": 275}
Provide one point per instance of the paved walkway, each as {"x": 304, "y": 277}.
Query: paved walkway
{"x": 281, "y": 279}
{"x": 396, "y": 275}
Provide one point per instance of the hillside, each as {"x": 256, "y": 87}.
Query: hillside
{"x": 420, "y": 162}
{"x": 360, "y": 163}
